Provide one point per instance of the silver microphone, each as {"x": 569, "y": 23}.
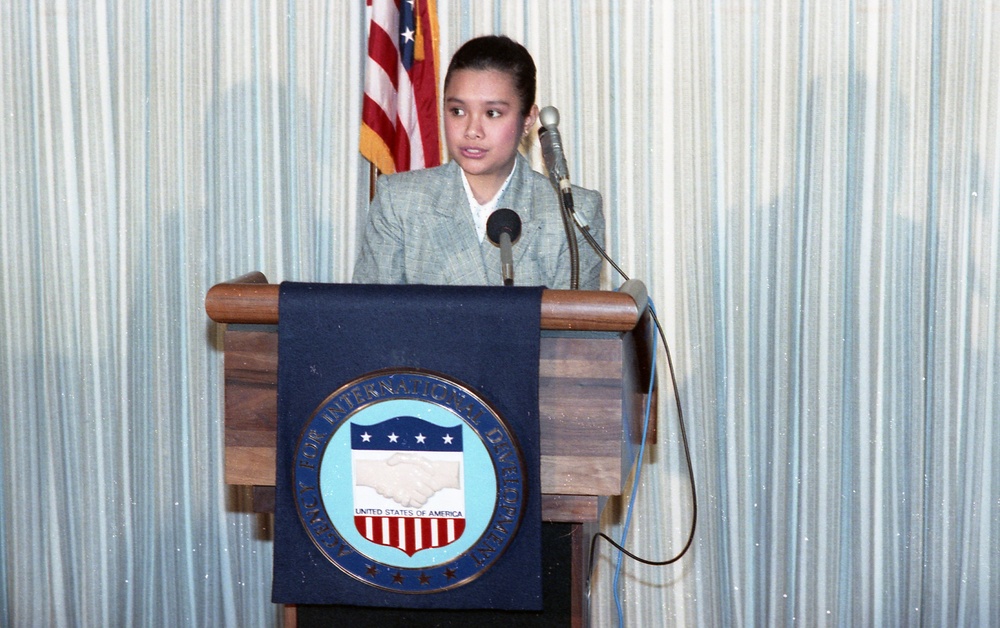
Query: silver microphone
{"x": 555, "y": 161}
{"x": 552, "y": 150}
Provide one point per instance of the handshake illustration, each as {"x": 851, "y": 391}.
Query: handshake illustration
{"x": 407, "y": 479}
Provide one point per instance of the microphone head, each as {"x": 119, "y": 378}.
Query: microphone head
{"x": 552, "y": 151}
{"x": 502, "y": 221}
{"x": 548, "y": 116}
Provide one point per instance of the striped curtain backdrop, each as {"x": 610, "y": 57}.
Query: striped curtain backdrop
{"x": 808, "y": 189}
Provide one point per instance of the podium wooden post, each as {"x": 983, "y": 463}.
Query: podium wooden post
{"x": 593, "y": 377}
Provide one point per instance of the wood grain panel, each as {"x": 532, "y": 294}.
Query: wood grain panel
{"x": 582, "y": 402}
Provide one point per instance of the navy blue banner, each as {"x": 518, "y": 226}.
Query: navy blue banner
{"x": 407, "y": 453}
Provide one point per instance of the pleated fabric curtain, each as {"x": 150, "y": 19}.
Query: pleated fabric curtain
{"x": 149, "y": 151}
{"x": 808, "y": 189}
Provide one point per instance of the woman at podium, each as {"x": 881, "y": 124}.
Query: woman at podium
{"x": 430, "y": 226}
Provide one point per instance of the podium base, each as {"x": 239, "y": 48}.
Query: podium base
{"x": 557, "y": 591}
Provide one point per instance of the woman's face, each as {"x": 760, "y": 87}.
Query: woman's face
{"x": 483, "y": 127}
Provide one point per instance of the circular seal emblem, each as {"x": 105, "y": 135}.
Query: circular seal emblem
{"x": 409, "y": 481}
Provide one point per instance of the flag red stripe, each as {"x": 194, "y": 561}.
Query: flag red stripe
{"x": 374, "y": 116}
{"x": 393, "y": 135}
{"x": 401, "y": 150}
{"x": 382, "y": 50}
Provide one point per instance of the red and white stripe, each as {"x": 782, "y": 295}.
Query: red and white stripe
{"x": 410, "y": 534}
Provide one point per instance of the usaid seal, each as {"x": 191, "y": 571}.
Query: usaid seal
{"x": 409, "y": 481}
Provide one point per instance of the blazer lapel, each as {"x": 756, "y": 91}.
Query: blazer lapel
{"x": 454, "y": 231}
{"x": 519, "y": 197}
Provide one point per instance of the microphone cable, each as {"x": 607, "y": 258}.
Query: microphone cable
{"x": 585, "y": 230}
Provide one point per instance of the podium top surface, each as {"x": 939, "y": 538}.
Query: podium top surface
{"x": 250, "y": 299}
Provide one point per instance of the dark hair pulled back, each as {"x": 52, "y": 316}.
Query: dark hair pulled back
{"x": 501, "y": 54}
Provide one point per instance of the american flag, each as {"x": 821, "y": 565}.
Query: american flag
{"x": 399, "y": 118}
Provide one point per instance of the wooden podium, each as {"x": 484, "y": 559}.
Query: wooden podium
{"x": 596, "y": 348}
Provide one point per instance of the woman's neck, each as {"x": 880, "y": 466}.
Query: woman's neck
{"x": 485, "y": 186}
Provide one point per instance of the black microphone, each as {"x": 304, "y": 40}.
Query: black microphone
{"x": 503, "y": 228}
{"x": 552, "y": 152}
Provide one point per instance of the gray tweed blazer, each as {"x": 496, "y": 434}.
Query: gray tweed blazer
{"x": 420, "y": 231}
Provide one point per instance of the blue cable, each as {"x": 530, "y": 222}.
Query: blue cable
{"x": 638, "y": 471}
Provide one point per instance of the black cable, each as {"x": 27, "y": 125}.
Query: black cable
{"x": 585, "y": 230}
{"x": 684, "y": 440}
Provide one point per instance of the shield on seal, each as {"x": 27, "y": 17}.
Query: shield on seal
{"x": 408, "y": 489}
